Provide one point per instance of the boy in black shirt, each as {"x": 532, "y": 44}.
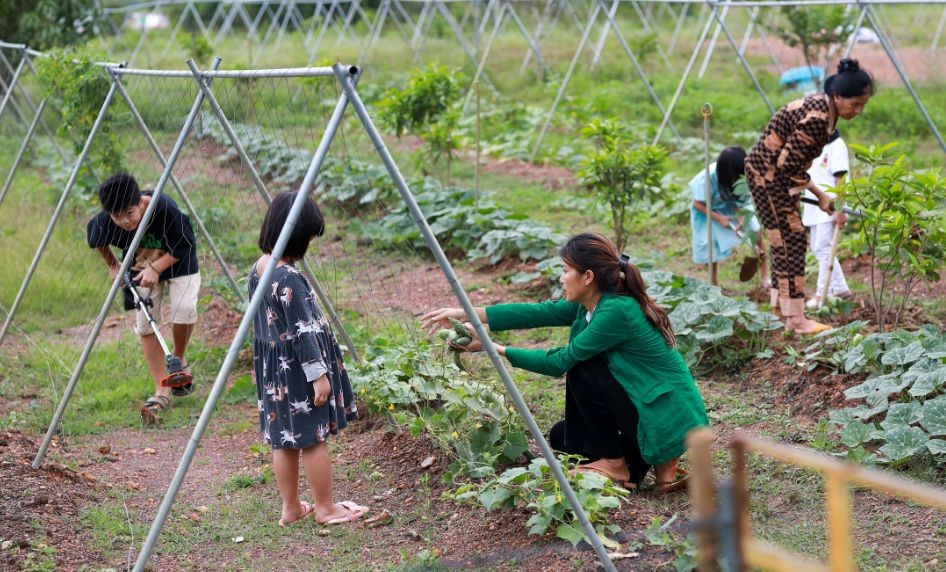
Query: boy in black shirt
{"x": 167, "y": 254}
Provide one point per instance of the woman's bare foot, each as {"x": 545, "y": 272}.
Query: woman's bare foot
{"x": 803, "y": 325}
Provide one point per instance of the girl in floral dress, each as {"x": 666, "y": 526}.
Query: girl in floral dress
{"x": 302, "y": 387}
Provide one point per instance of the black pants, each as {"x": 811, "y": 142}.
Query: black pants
{"x": 600, "y": 420}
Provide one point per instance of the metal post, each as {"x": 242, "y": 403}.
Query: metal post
{"x": 461, "y": 38}
{"x": 603, "y": 37}
{"x": 676, "y": 31}
{"x": 712, "y": 44}
{"x": 742, "y": 60}
{"x": 539, "y": 28}
{"x": 235, "y": 346}
{"x": 525, "y": 33}
{"x": 380, "y": 16}
{"x": 768, "y": 48}
{"x": 939, "y": 31}
{"x": 702, "y": 489}
{"x": 748, "y": 33}
{"x": 645, "y": 21}
{"x": 12, "y": 84}
{"x": 568, "y": 76}
{"x": 707, "y": 112}
{"x": 56, "y": 213}
{"x": 857, "y": 27}
{"x": 19, "y": 154}
{"x": 639, "y": 69}
{"x": 67, "y": 393}
{"x": 482, "y": 63}
{"x": 686, "y": 74}
{"x": 326, "y": 302}
{"x": 4, "y": 87}
{"x": 590, "y": 535}
{"x": 180, "y": 190}
{"x": 881, "y": 34}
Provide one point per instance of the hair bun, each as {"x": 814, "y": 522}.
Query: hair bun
{"x": 848, "y": 65}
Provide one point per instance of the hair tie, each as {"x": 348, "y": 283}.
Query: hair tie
{"x": 623, "y": 261}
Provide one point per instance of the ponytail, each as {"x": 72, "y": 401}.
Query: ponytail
{"x": 633, "y": 285}
{"x": 614, "y": 273}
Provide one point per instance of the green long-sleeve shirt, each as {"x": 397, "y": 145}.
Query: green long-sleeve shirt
{"x": 654, "y": 375}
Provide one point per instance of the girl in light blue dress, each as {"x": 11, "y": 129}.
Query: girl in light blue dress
{"x": 732, "y": 212}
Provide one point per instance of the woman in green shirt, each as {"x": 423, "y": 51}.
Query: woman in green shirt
{"x": 630, "y": 397}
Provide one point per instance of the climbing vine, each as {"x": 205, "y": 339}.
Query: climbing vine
{"x": 79, "y": 86}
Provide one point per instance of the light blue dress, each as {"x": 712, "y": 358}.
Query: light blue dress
{"x": 724, "y": 239}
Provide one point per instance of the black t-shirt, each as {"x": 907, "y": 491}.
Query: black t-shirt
{"x": 169, "y": 231}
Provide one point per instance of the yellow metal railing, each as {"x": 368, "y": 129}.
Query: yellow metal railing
{"x": 839, "y": 476}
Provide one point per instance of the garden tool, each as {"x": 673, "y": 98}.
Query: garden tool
{"x": 706, "y": 110}
{"x": 845, "y": 210}
{"x": 750, "y": 264}
{"x": 180, "y": 381}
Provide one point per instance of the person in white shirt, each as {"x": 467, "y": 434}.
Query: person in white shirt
{"x": 827, "y": 171}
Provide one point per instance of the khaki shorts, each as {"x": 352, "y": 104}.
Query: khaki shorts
{"x": 184, "y": 290}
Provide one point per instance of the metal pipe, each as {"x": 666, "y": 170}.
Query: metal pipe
{"x": 180, "y": 190}
{"x": 640, "y": 70}
{"x": 235, "y": 346}
{"x": 712, "y": 44}
{"x": 745, "y": 64}
{"x": 12, "y": 84}
{"x": 590, "y": 535}
{"x": 57, "y": 417}
{"x": 55, "y": 218}
{"x": 603, "y": 36}
{"x": 881, "y": 34}
{"x": 568, "y": 75}
{"x": 482, "y": 63}
{"x": 525, "y": 33}
{"x": 707, "y": 112}
{"x": 19, "y": 154}
{"x": 683, "y": 78}
{"x": 857, "y": 28}
{"x": 264, "y": 194}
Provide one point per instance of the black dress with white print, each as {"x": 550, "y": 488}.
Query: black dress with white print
{"x": 293, "y": 346}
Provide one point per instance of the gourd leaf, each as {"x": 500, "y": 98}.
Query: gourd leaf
{"x": 933, "y": 416}
{"x": 903, "y": 442}
{"x": 903, "y": 355}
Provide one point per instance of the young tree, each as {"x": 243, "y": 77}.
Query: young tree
{"x": 903, "y": 228}
{"x": 620, "y": 174}
{"x": 815, "y": 29}
{"x": 43, "y": 24}
{"x": 426, "y": 107}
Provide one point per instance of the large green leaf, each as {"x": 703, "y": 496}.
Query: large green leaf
{"x": 494, "y": 497}
{"x": 903, "y": 442}
{"x": 936, "y": 446}
{"x": 856, "y": 433}
{"x": 718, "y": 328}
{"x": 902, "y": 414}
{"x": 933, "y": 415}
{"x": 903, "y": 355}
{"x": 927, "y": 378}
{"x": 569, "y": 533}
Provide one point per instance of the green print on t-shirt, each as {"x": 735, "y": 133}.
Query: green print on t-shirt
{"x": 150, "y": 241}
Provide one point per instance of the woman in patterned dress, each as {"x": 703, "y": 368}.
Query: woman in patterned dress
{"x": 777, "y": 174}
{"x": 302, "y": 388}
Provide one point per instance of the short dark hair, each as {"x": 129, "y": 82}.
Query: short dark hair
{"x": 850, "y": 81}
{"x": 119, "y": 192}
{"x": 309, "y": 225}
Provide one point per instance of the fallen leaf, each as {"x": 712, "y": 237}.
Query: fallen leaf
{"x": 202, "y": 508}
{"x": 194, "y": 516}
{"x": 380, "y": 519}
{"x": 89, "y": 477}
{"x": 413, "y": 534}
{"x": 100, "y": 424}
{"x": 133, "y": 486}
{"x": 427, "y": 462}
{"x": 238, "y": 539}
{"x": 149, "y": 451}
{"x": 324, "y": 532}
{"x": 105, "y": 449}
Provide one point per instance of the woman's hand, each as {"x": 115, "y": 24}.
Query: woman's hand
{"x": 437, "y": 319}
{"x": 826, "y": 203}
{"x": 321, "y": 390}
{"x": 840, "y": 218}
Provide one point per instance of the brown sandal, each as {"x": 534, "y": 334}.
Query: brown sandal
{"x": 152, "y": 408}
{"x": 679, "y": 484}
